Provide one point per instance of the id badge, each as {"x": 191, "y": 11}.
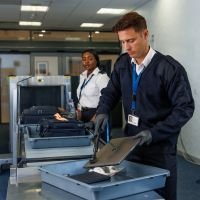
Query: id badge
{"x": 133, "y": 120}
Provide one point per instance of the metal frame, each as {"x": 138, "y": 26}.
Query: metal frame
{"x": 14, "y": 92}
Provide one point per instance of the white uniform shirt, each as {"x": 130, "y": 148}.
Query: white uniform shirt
{"x": 91, "y": 92}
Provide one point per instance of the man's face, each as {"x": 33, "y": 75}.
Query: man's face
{"x": 134, "y": 43}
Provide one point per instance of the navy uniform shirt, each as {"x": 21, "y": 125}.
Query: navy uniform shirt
{"x": 164, "y": 101}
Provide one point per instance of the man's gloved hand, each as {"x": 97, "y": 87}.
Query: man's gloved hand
{"x": 89, "y": 125}
{"x": 100, "y": 122}
{"x": 144, "y": 136}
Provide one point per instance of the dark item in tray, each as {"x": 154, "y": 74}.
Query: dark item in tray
{"x": 40, "y": 110}
{"x": 35, "y": 114}
{"x": 56, "y": 128}
{"x": 90, "y": 177}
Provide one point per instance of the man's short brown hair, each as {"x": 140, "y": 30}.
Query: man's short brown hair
{"x": 131, "y": 19}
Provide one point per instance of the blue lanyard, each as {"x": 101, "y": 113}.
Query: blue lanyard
{"x": 83, "y": 85}
{"x": 135, "y": 83}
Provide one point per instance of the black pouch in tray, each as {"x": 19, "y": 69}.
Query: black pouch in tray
{"x": 90, "y": 177}
{"x": 56, "y": 128}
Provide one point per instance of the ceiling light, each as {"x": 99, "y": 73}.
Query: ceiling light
{"x": 73, "y": 38}
{"x": 112, "y": 11}
{"x": 35, "y": 8}
{"x": 91, "y": 25}
{"x": 25, "y": 23}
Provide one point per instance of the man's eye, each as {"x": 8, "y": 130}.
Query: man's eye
{"x": 131, "y": 41}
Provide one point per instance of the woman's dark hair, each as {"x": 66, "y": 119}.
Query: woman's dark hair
{"x": 94, "y": 53}
{"x": 131, "y": 20}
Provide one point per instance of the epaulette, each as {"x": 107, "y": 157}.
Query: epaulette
{"x": 121, "y": 56}
{"x": 172, "y": 61}
{"x": 102, "y": 71}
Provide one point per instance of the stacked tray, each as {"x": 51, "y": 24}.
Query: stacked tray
{"x": 38, "y": 142}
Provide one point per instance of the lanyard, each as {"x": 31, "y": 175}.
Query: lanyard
{"x": 135, "y": 82}
{"x": 83, "y": 85}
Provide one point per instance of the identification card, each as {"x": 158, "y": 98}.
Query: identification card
{"x": 133, "y": 120}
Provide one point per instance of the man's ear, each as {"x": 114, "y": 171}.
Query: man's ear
{"x": 146, "y": 34}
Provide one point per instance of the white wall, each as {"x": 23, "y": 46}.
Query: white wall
{"x": 19, "y": 62}
{"x": 176, "y": 29}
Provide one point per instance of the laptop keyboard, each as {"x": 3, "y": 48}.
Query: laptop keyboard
{"x": 90, "y": 177}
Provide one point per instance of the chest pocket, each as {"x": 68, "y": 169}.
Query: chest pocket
{"x": 91, "y": 90}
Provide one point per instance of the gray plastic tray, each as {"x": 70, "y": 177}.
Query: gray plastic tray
{"x": 38, "y": 142}
{"x": 51, "y": 193}
{"x": 135, "y": 179}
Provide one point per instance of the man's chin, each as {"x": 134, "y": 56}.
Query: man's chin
{"x": 132, "y": 55}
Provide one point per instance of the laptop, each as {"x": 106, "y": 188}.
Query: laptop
{"x": 114, "y": 152}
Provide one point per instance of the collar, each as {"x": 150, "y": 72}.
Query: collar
{"x": 95, "y": 72}
{"x": 146, "y": 60}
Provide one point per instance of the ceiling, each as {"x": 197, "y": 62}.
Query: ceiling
{"x": 63, "y": 14}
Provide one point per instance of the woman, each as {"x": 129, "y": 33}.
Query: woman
{"x": 92, "y": 81}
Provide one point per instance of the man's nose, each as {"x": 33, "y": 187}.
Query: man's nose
{"x": 126, "y": 46}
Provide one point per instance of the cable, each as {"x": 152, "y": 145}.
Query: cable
{"x": 23, "y": 80}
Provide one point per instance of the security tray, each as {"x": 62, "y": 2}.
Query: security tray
{"x": 38, "y": 142}
{"x": 134, "y": 179}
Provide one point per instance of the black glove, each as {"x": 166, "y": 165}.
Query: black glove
{"x": 144, "y": 136}
{"x": 89, "y": 125}
{"x": 100, "y": 123}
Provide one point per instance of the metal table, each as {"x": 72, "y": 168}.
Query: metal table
{"x": 30, "y": 187}
{"x": 38, "y": 191}
{"x": 34, "y": 158}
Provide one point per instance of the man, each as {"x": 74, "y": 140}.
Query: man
{"x": 156, "y": 97}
